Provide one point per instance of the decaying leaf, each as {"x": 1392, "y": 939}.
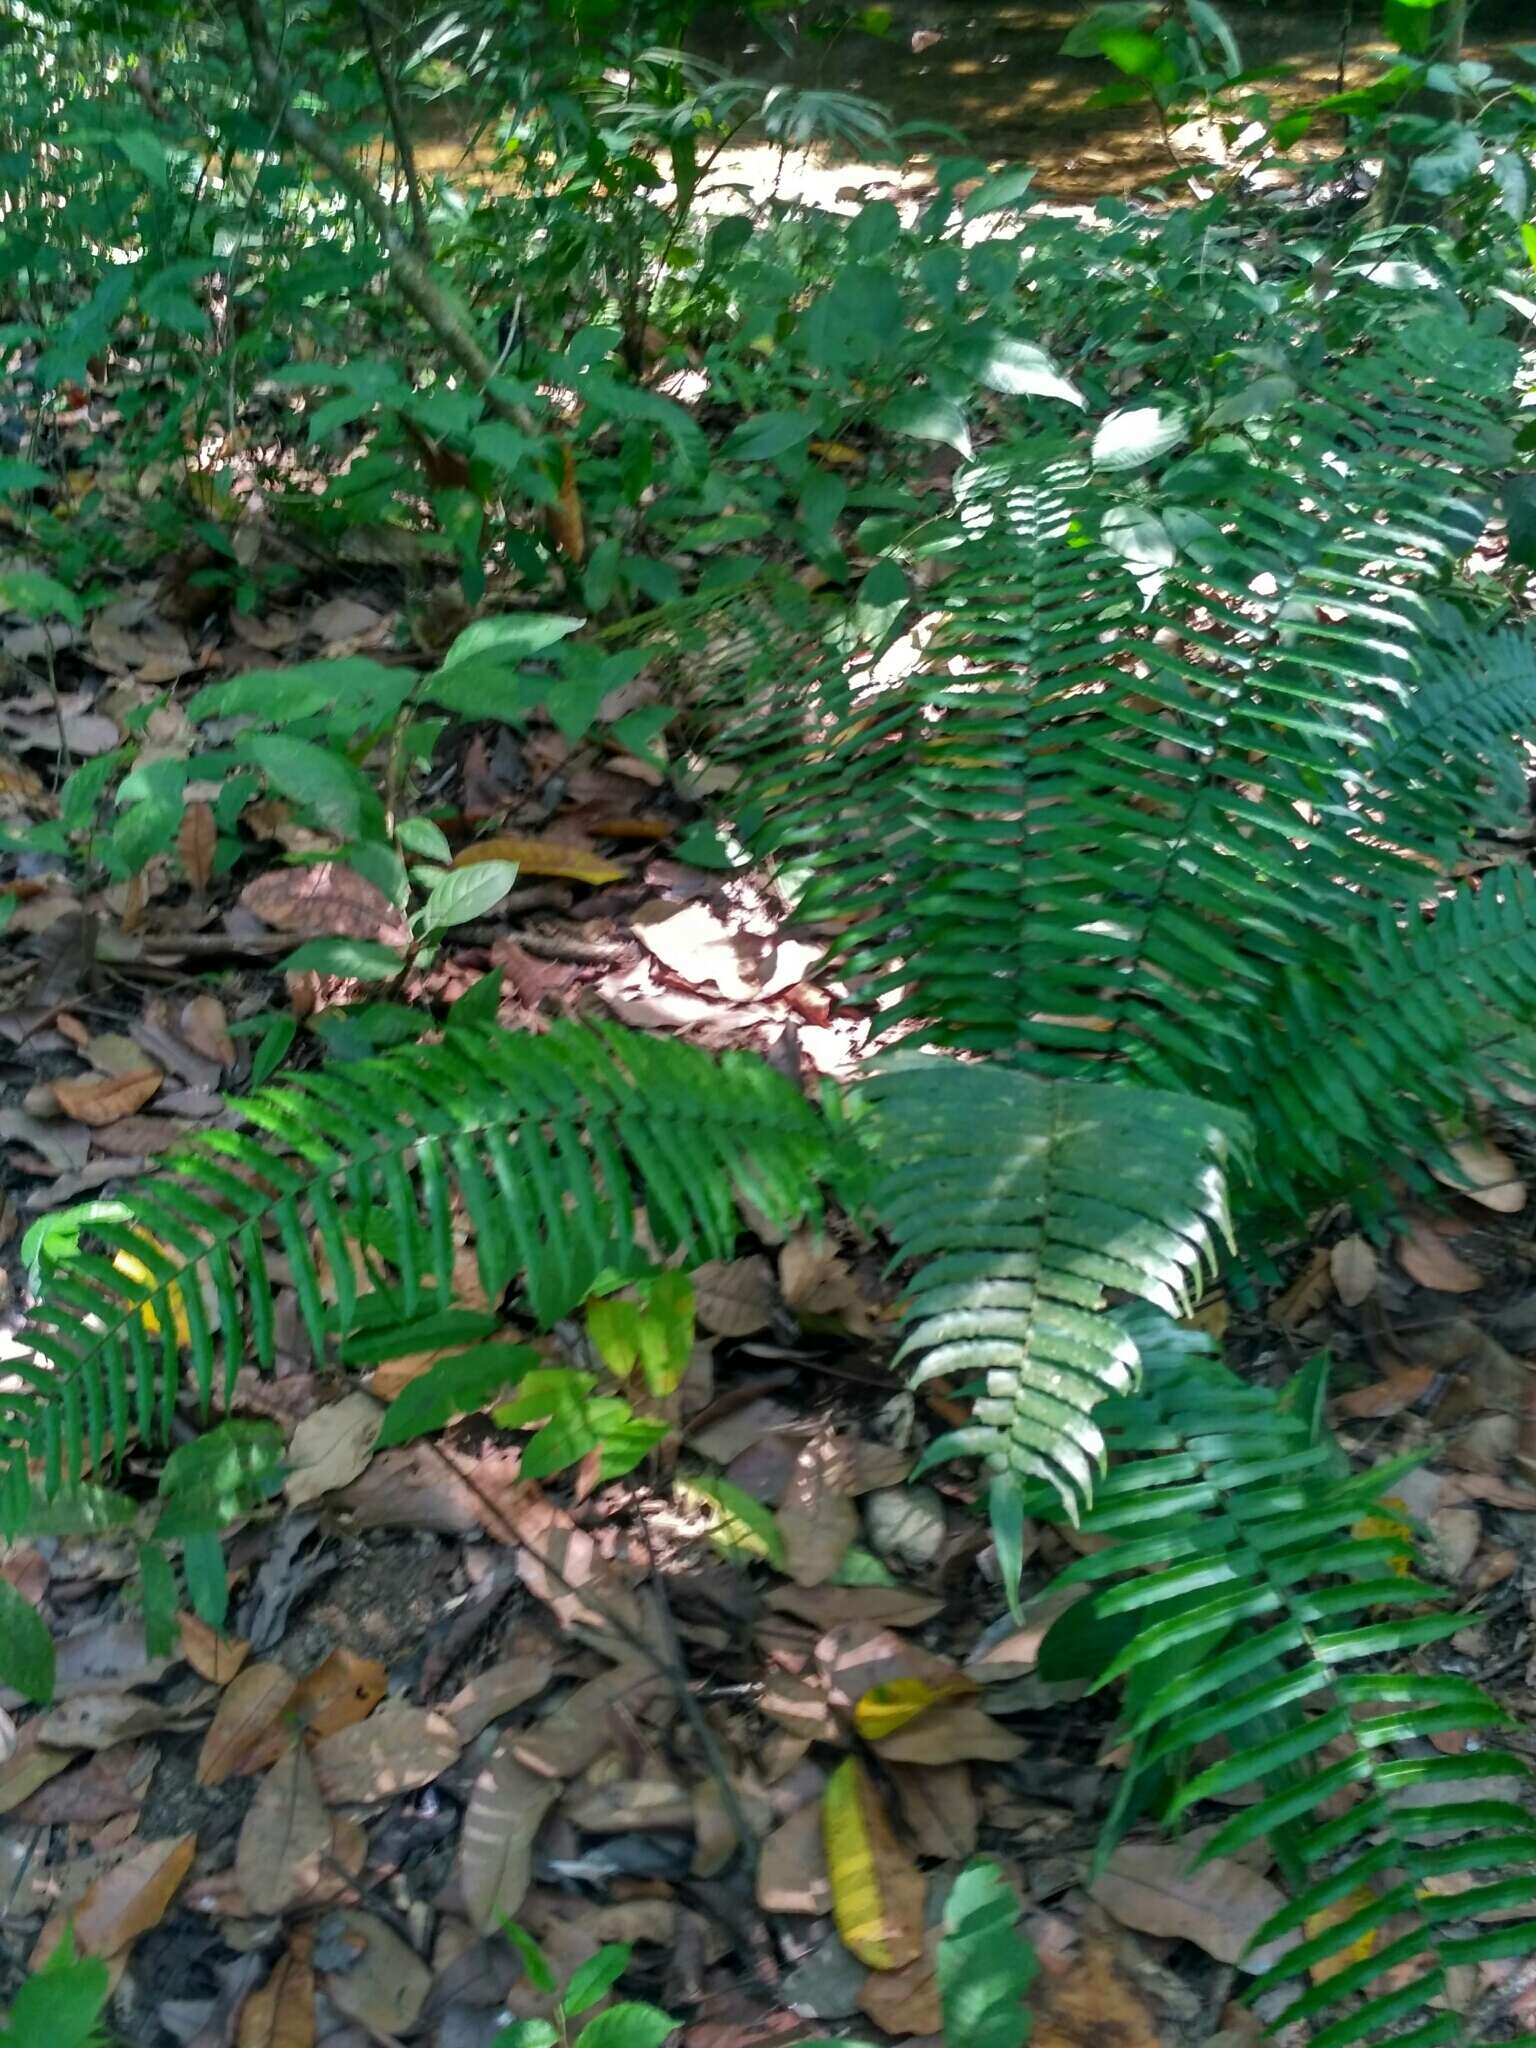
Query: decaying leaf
{"x": 695, "y": 942}
{"x": 325, "y": 900}
{"x": 212, "y": 1656}
{"x": 331, "y": 1447}
{"x": 566, "y": 858}
{"x": 621, "y": 1805}
{"x": 906, "y": 2001}
{"x": 587, "y": 1723}
{"x": 343, "y": 1689}
{"x": 97, "y": 1099}
{"x": 100, "y": 1720}
{"x": 1219, "y": 1906}
{"x": 1484, "y": 1174}
{"x": 197, "y": 842}
{"x": 496, "y": 1692}
{"x": 1094, "y": 2002}
{"x": 251, "y": 1707}
{"x": 877, "y": 1890}
{"x": 792, "y": 1866}
{"x": 1306, "y": 1293}
{"x": 505, "y": 1811}
{"x": 385, "y": 1983}
{"x": 938, "y": 1804}
{"x": 133, "y": 1896}
{"x": 29, "y": 1766}
{"x": 734, "y": 1297}
{"x": 205, "y": 1027}
{"x": 285, "y": 1836}
{"x": 397, "y": 1749}
{"x": 281, "y": 2012}
{"x": 817, "y": 1517}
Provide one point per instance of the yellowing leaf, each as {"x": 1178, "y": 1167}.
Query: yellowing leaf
{"x": 542, "y": 857}
{"x": 135, "y": 1270}
{"x": 1388, "y": 1523}
{"x": 838, "y": 453}
{"x": 877, "y": 1889}
{"x": 1335, "y": 1916}
{"x": 739, "y": 1525}
{"x": 885, "y": 1708}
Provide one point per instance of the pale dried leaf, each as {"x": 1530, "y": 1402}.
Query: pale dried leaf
{"x": 792, "y": 1866}
{"x": 387, "y": 1983}
{"x": 1484, "y": 1174}
{"x": 324, "y": 900}
{"x": 505, "y": 1811}
{"x": 331, "y": 1447}
{"x": 1426, "y": 1258}
{"x": 695, "y": 943}
{"x": 216, "y": 1657}
{"x": 906, "y": 2001}
{"x": 1352, "y": 1262}
{"x": 830, "y": 1607}
{"x": 951, "y": 1732}
{"x": 281, "y": 2012}
{"x": 496, "y": 1692}
{"x": 103, "y": 1098}
{"x": 397, "y": 1749}
{"x": 1220, "y": 1906}
{"x": 27, "y": 1768}
{"x": 205, "y": 1027}
{"x": 285, "y": 1836}
{"x": 586, "y": 1725}
{"x": 622, "y": 1805}
{"x": 938, "y": 1804}
{"x": 101, "y": 1720}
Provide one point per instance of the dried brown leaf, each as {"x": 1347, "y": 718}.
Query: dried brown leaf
{"x": 100, "y": 1720}
{"x": 938, "y": 1804}
{"x": 1484, "y": 1174}
{"x": 496, "y": 1692}
{"x": 1352, "y": 1263}
{"x": 205, "y": 1027}
{"x": 29, "y": 1766}
{"x": 1390, "y": 1395}
{"x": 97, "y": 1099}
{"x": 1426, "y": 1258}
{"x": 103, "y": 1787}
{"x": 281, "y": 2012}
{"x": 505, "y": 1811}
{"x": 133, "y": 1896}
{"x": 216, "y": 1657}
{"x": 734, "y": 1297}
{"x": 695, "y": 943}
{"x": 906, "y": 2001}
{"x": 792, "y": 1866}
{"x": 1093, "y": 2002}
{"x": 251, "y": 1705}
{"x": 387, "y": 1983}
{"x": 586, "y": 1725}
{"x": 285, "y": 1836}
{"x": 622, "y": 1805}
{"x": 397, "y": 1749}
{"x": 1220, "y": 1906}
{"x": 817, "y": 1517}
{"x": 344, "y": 1689}
{"x": 197, "y": 842}
{"x": 1306, "y": 1294}
{"x": 331, "y": 1447}
{"x": 952, "y": 1731}
{"x": 324, "y": 900}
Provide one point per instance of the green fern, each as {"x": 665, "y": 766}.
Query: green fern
{"x": 1021, "y": 1203}
{"x": 1247, "y": 1594}
{"x": 545, "y": 1149}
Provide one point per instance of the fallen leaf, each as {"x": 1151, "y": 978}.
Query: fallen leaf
{"x": 562, "y": 1566}
{"x": 622, "y": 1805}
{"x": 792, "y": 1866}
{"x": 331, "y": 1447}
{"x": 386, "y": 1984}
{"x": 1484, "y": 1174}
{"x": 734, "y": 1297}
{"x": 197, "y": 842}
{"x": 1456, "y": 1534}
{"x": 696, "y": 944}
{"x": 1426, "y": 1258}
{"x": 884, "y": 1710}
{"x": 1334, "y": 1916}
{"x": 906, "y": 2001}
{"x": 281, "y": 2012}
{"x": 343, "y": 1689}
{"x": 1395, "y": 1391}
{"x": 857, "y": 1657}
{"x": 878, "y": 1893}
{"x": 586, "y": 1725}
{"x": 505, "y": 1811}
{"x": 829, "y": 1607}
{"x": 817, "y": 1517}
{"x": 323, "y": 901}
{"x": 26, "y": 1769}
{"x": 739, "y": 1527}
{"x": 397, "y": 1749}
{"x": 817, "y": 1285}
{"x": 342, "y": 618}
{"x": 251, "y": 1705}
{"x": 496, "y": 1692}
{"x": 98, "y": 1099}
{"x": 952, "y": 1732}
{"x": 99, "y": 1789}
{"x": 1306, "y": 1293}
{"x": 1093, "y": 2003}
{"x": 205, "y": 1027}
{"x": 715, "y": 1835}
{"x": 133, "y": 1896}
{"x": 1219, "y": 1906}
{"x": 1352, "y": 1264}
{"x": 100, "y": 1720}
{"x": 938, "y": 1804}
{"x": 574, "y": 862}
{"x": 212, "y": 1656}
{"x": 285, "y": 1836}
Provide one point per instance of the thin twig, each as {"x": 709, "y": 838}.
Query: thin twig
{"x": 421, "y": 231}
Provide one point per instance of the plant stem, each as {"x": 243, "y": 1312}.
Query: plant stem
{"x": 421, "y": 232}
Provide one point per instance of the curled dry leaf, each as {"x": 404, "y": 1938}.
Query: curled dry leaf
{"x": 505, "y": 1811}
{"x": 331, "y": 1447}
{"x": 397, "y": 1749}
{"x": 212, "y": 1656}
{"x": 197, "y": 842}
{"x": 817, "y": 1517}
{"x": 251, "y": 1707}
{"x": 285, "y": 1837}
{"x": 878, "y": 1893}
{"x": 1426, "y": 1258}
{"x": 131, "y": 1897}
{"x": 97, "y": 1099}
{"x": 1484, "y": 1174}
{"x": 1219, "y": 1906}
{"x": 1352, "y": 1263}
{"x": 281, "y": 2012}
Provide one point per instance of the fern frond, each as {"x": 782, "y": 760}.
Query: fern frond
{"x": 544, "y": 1150}
{"x": 1271, "y": 1599}
{"x": 1022, "y": 1202}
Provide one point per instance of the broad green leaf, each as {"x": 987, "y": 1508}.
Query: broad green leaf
{"x": 739, "y": 1526}
{"x": 927, "y": 417}
{"x": 37, "y": 596}
{"x": 223, "y": 1473}
{"x": 361, "y": 959}
{"x": 628, "y": 2026}
{"x": 146, "y": 152}
{"x": 1139, "y": 537}
{"x": 1017, "y": 368}
{"x": 454, "y": 1386}
{"x": 510, "y": 637}
{"x": 463, "y": 894}
{"x": 203, "y": 1567}
{"x": 596, "y": 1975}
{"x": 157, "y": 1587}
{"x": 60, "y": 2005}
{"x": 17, "y": 475}
{"x": 26, "y": 1648}
{"x": 322, "y": 783}
{"x": 985, "y": 1963}
{"x": 540, "y": 1975}
{"x": 768, "y": 434}
{"x": 1138, "y": 434}
{"x": 277, "y": 696}
{"x": 1002, "y": 189}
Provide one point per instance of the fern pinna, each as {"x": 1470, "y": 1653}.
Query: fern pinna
{"x": 1247, "y": 1596}
{"x": 544, "y": 1149}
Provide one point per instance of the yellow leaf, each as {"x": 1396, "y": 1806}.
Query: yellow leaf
{"x": 542, "y": 857}
{"x": 885, "y": 1708}
{"x": 136, "y": 1271}
{"x": 877, "y": 1889}
{"x": 1390, "y": 1522}
{"x": 1335, "y": 1916}
{"x": 838, "y": 453}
